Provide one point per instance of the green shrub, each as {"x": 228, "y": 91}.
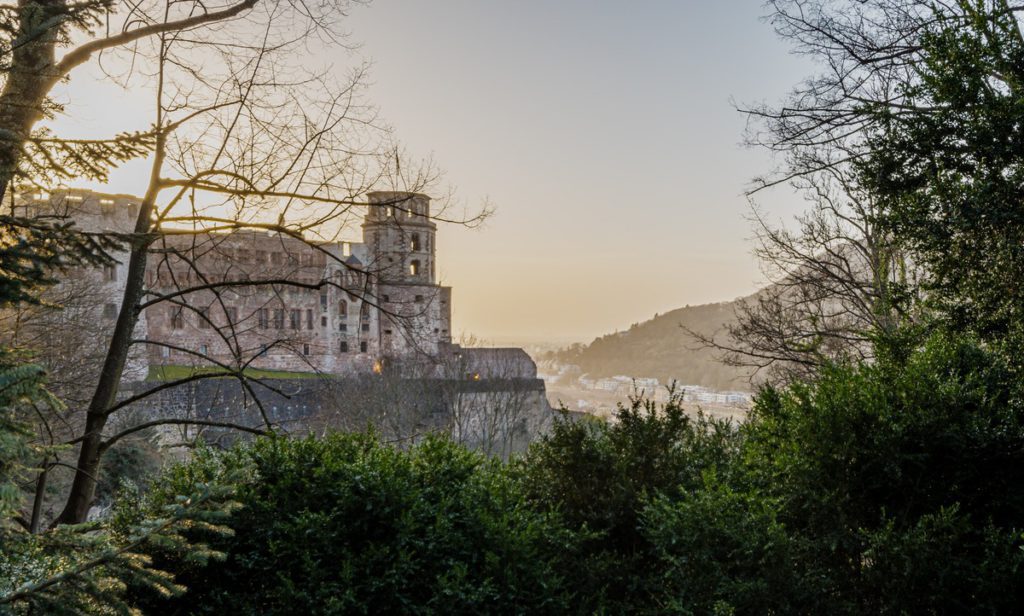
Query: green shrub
{"x": 869, "y": 463}
{"x": 347, "y": 525}
{"x": 600, "y": 477}
{"x": 719, "y": 550}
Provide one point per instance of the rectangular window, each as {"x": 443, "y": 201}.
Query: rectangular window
{"x": 366, "y": 327}
{"x": 110, "y": 273}
{"x": 204, "y": 318}
{"x": 165, "y": 352}
{"x": 323, "y": 321}
{"x": 362, "y": 346}
{"x": 342, "y": 327}
{"x": 278, "y": 318}
{"x": 264, "y": 318}
{"x": 295, "y": 319}
{"x": 343, "y": 347}
{"x": 202, "y": 349}
{"x": 419, "y": 299}
{"x": 305, "y": 349}
{"x": 387, "y": 332}
{"x": 309, "y": 319}
{"x": 110, "y": 311}
{"x": 323, "y": 302}
{"x": 177, "y": 319}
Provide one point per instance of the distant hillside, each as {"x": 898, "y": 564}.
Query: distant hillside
{"x": 662, "y": 349}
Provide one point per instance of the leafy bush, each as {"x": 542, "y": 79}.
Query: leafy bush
{"x": 348, "y": 525}
{"x": 599, "y": 478}
{"x": 885, "y": 472}
{"x": 720, "y": 551}
{"x": 886, "y": 488}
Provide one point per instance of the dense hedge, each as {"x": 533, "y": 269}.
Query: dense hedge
{"x": 893, "y": 488}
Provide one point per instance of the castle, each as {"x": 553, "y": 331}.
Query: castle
{"x": 368, "y": 319}
{"x": 275, "y": 302}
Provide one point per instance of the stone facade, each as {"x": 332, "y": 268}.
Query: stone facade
{"x": 498, "y": 416}
{"x": 283, "y": 303}
{"x": 91, "y": 298}
{"x": 276, "y": 302}
{"x": 369, "y": 318}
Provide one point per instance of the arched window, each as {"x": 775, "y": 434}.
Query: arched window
{"x": 414, "y": 241}
{"x": 342, "y": 308}
{"x": 414, "y": 268}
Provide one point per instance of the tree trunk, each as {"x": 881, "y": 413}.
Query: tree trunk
{"x": 80, "y": 498}
{"x": 31, "y": 75}
{"x": 84, "y": 485}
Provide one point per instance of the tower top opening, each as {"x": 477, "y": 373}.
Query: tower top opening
{"x": 398, "y": 205}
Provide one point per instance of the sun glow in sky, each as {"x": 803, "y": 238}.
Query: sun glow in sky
{"x": 602, "y": 132}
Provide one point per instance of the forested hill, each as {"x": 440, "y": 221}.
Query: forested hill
{"x": 661, "y": 348}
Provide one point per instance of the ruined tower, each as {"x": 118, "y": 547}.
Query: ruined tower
{"x": 415, "y": 313}
{"x": 400, "y": 235}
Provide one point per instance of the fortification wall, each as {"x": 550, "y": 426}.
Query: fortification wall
{"x": 499, "y": 416}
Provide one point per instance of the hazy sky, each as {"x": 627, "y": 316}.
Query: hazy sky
{"x": 602, "y": 132}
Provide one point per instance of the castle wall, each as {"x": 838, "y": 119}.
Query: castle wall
{"x": 369, "y": 317}
{"x": 84, "y": 305}
{"x": 498, "y": 417}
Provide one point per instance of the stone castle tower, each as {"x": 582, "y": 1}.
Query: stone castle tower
{"x": 415, "y": 312}
{"x": 400, "y": 236}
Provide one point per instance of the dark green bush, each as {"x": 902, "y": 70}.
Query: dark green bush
{"x": 890, "y": 488}
{"x": 720, "y": 551}
{"x": 599, "y": 478}
{"x": 900, "y": 481}
{"x": 347, "y": 525}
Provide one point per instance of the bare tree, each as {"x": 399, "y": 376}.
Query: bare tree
{"x": 246, "y": 139}
{"x": 42, "y": 42}
{"x": 845, "y": 278}
{"x": 492, "y": 399}
{"x": 838, "y": 283}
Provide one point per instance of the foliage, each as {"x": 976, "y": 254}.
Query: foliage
{"x": 892, "y": 474}
{"x": 348, "y": 525}
{"x": 600, "y": 477}
{"x": 884, "y": 488}
{"x": 949, "y": 165}
{"x": 31, "y": 249}
{"x": 136, "y": 460}
{"x": 720, "y": 550}
{"x": 86, "y": 569}
{"x": 20, "y": 384}
{"x": 920, "y": 103}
